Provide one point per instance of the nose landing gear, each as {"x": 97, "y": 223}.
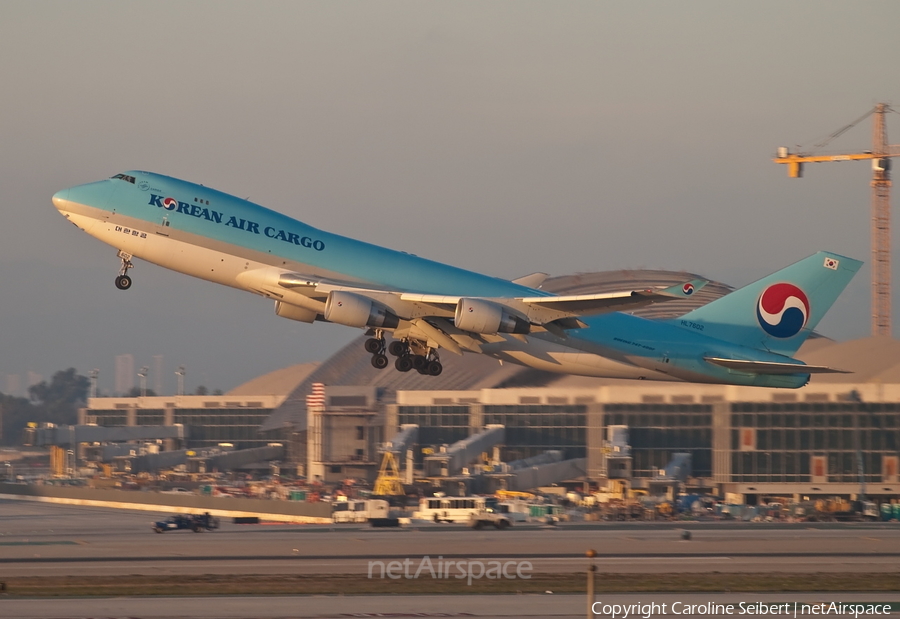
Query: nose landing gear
{"x": 123, "y": 282}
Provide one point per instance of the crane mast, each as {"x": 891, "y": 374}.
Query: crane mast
{"x": 881, "y": 205}
{"x": 881, "y": 227}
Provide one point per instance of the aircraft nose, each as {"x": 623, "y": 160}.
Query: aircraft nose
{"x": 92, "y": 195}
{"x": 60, "y": 198}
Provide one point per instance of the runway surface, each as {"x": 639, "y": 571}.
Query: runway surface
{"x": 481, "y": 606}
{"x": 38, "y": 539}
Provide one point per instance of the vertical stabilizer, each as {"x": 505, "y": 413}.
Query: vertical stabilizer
{"x": 778, "y": 312}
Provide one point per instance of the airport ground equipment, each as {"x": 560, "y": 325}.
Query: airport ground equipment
{"x": 489, "y": 517}
{"x": 881, "y": 203}
{"x": 449, "y": 461}
{"x": 208, "y": 460}
{"x": 540, "y": 470}
{"x": 196, "y": 523}
{"x": 672, "y": 478}
{"x": 678, "y": 468}
{"x": 403, "y": 440}
{"x": 388, "y": 482}
{"x": 360, "y": 511}
{"x": 841, "y": 510}
{"x": 66, "y": 436}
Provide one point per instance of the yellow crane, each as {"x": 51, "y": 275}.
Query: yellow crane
{"x": 881, "y": 204}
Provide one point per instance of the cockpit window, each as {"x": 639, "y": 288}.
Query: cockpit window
{"x": 125, "y": 177}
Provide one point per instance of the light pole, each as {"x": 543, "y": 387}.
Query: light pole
{"x": 592, "y": 569}
{"x": 142, "y": 374}
{"x": 179, "y": 372}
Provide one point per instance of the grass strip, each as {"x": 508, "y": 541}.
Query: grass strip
{"x": 356, "y": 584}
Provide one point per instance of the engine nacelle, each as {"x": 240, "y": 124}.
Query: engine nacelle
{"x": 286, "y": 310}
{"x": 354, "y": 310}
{"x": 479, "y": 316}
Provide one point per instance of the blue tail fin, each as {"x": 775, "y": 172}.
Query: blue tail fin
{"x": 778, "y": 312}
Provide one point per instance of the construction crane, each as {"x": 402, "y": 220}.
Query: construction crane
{"x": 881, "y": 203}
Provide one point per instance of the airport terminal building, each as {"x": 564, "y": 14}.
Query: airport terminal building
{"x": 839, "y": 435}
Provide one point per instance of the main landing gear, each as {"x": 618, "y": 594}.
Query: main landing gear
{"x": 375, "y": 345}
{"x": 407, "y": 358}
{"x": 123, "y": 282}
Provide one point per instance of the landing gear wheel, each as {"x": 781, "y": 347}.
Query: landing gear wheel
{"x": 374, "y": 345}
{"x": 123, "y": 282}
{"x": 379, "y": 361}
{"x": 403, "y": 364}
{"x": 434, "y": 368}
{"x": 418, "y": 361}
{"x": 397, "y": 348}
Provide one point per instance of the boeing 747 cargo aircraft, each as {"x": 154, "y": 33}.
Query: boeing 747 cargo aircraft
{"x": 747, "y": 337}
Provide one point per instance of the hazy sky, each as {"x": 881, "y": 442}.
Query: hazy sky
{"x": 504, "y": 137}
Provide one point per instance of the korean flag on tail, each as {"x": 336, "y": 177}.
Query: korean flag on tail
{"x": 831, "y": 263}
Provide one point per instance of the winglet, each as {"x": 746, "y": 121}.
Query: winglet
{"x": 685, "y": 290}
{"x": 535, "y": 280}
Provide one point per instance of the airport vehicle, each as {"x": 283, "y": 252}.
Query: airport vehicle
{"x": 840, "y": 510}
{"x": 747, "y": 337}
{"x": 489, "y": 516}
{"x": 359, "y": 511}
{"x": 196, "y": 523}
{"x": 454, "y": 509}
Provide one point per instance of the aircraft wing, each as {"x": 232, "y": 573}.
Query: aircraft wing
{"x": 773, "y": 367}
{"x": 545, "y": 310}
{"x": 431, "y": 316}
{"x": 585, "y": 304}
{"x": 425, "y": 311}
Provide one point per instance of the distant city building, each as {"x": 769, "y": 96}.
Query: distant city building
{"x": 13, "y": 385}
{"x": 157, "y": 374}
{"x": 34, "y": 378}
{"x": 124, "y": 373}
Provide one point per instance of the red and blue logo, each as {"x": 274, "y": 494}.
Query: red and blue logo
{"x": 688, "y": 289}
{"x": 169, "y": 204}
{"x": 782, "y": 310}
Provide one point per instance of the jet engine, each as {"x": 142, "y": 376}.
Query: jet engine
{"x": 479, "y": 316}
{"x": 286, "y": 310}
{"x": 354, "y": 310}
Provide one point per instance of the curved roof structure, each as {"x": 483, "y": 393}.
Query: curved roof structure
{"x": 871, "y": 360}
{"x": 280, "y": 382}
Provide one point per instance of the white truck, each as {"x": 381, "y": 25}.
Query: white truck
{"x": 359, "y": 510}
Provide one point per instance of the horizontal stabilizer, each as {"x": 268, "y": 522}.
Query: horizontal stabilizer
{"x": 773, "y": 367}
